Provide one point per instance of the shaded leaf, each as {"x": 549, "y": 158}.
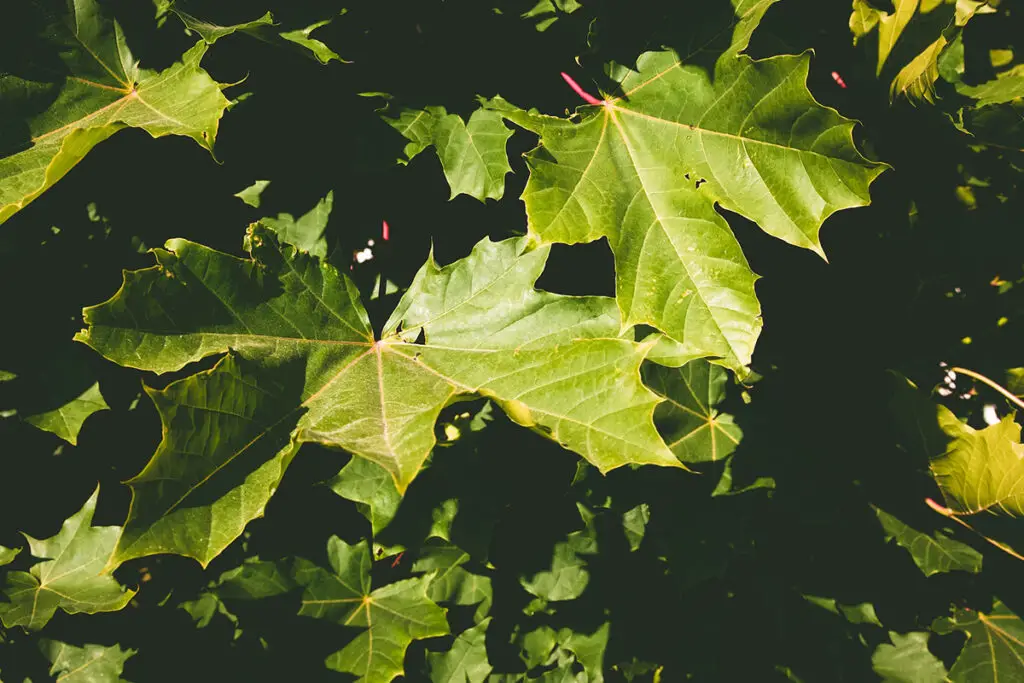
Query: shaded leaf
{"x": 87, "y": 664}
{"x": 305, "y": 367}
{"x": 907, "y": 660}
{"x": 102, "y": 91}
{"x": 995, "y": 645}
{"x": 933, "y": 553}
{"x": 466, "y": 660}
{"x": 66, "y": 421}
{"x": 392, "y": 616}
{"x": 451, "y": 583}
{"x": 634, "y": 524}
{"x": 689, "y": 420}
{"x": 568, "y": 576}
{"x": 472, "y": 155}
{"x": 69, "y": 578}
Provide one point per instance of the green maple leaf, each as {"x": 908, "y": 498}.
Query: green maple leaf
{"x": 304, "y": 366}
{"x": 67, "y": 420}
{"x": 392, "y": 616}
{"x": 466, "y": 661}
{"x": 646, "y": 170}
{"x": 100, "y": 91}
{"x": 472, "y": 154}
{"x": 692, "y": 426}
{"x": 995, "y": 645}
{"x": 933, "y": 553}
{"x": 908, "y": 660}
{"x": 980, "y": 470}
{"x": 69, "y": 578}
{"x": 87, "y": 664}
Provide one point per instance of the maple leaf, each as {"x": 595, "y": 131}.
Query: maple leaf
{"x": 69, "y": 578}
{"x": 101, "y": 91}
{"x": 995, "y": 644}
{"x": 646, "y": 168}
{"x": 393, "y": 615}
{"x": 304, "y": 366}
{"x": 694, "y": 428}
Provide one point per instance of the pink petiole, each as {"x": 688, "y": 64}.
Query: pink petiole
{"x": 587, "y": 97}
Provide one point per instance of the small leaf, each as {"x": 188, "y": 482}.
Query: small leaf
{"x": 907, "y": 660}
{"x": 466, "y": 661}
{"x": 689, "y": 420}
{"x": 262, "y": 29}
{"x": 211, "y": 32}
{"x": 7, "y": 555}
{"x": 472, "y": 155}
{"x": 99, "y": 90}
{"x": 66, "y": 421}
{"x": 87, "y": 664}
{"x": 568, "y": 576}
{"x": 69, "y": 578}
{"x": 393, "y": 615}
{"x": 634, "y": 524}
{"x": 316, "y": 47}
{"x": 451, "y": 583}
{"x": 371, "y": 487}
{"x": 251, "y": 194}
{"x": 933, "y": 553}
{"x": 995, "y": 645}
{"x": 307, "y": 231}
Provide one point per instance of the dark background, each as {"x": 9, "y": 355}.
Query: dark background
{"x": 715, "y": 590}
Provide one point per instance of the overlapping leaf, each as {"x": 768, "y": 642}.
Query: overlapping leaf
{"x": 472, "y": 154}
{"x": 693, "y": 427}
{"x": 392, "y": 616}
{"x": 466, "y": 661}
{"x": 305, "y": 367}
{"x": 51, "y": 125}
{"x": 647, "y": 168}
{"x": 995, "y": 645}
{"x": 933, "y": 553}
{"x": 307, "y": 231}
{"x": 87, "y": 664}
{"x": 69, "y": 578}
{"x": 918, "y": 32}
{"x": 981, "y": 470}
